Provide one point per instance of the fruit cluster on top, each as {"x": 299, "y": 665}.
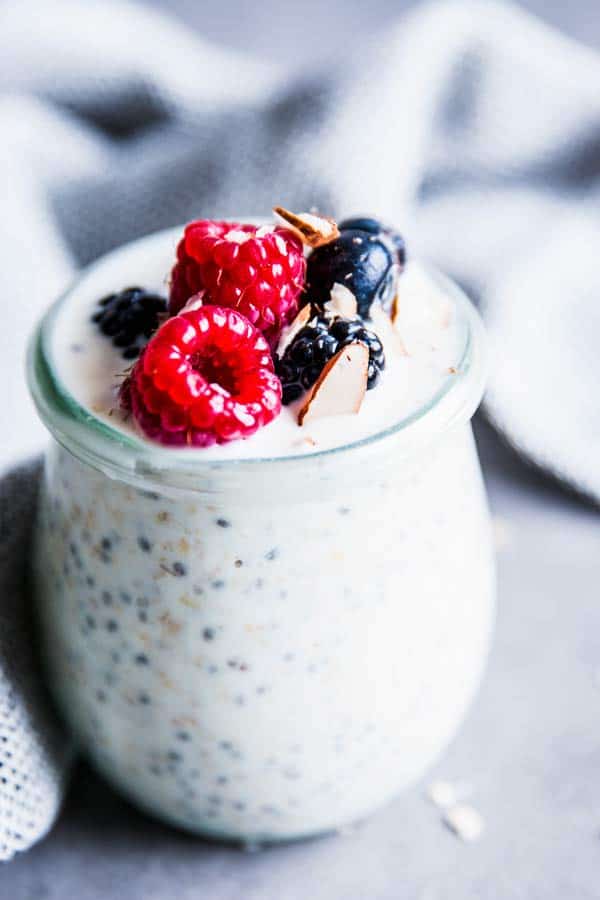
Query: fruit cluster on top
{"x": 257, "y": 316}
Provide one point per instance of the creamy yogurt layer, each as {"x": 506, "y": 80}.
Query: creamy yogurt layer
{"x": 430, "y": 327}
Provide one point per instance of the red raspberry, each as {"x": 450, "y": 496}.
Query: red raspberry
{"x": 205, "y": 377}
{"x": 258, "y": 271}
{"x": 186, "y": 279}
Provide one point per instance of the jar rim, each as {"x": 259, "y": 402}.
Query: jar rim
{"x": 109, "y": 449}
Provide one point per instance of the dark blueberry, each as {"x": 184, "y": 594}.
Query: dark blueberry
{"x": 374, "y": 226}
{"x": 315, "y": 344}
{"x": 358, "y": 260}
{"x": 361, "y": 223}
{"x": 129, "y": 318}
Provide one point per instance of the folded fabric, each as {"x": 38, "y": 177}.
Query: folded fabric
{"x": 471, "y": 126}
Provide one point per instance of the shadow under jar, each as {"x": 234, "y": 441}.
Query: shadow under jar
{"x": 264, "y": 649}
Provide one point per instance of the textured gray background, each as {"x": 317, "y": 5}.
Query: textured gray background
{"x": 530, "y": 750}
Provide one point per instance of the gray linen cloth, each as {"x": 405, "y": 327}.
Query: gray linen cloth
{"x": 472, "y": 126}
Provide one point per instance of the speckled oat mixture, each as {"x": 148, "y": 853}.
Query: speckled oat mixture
{"x": 238, "y": 669}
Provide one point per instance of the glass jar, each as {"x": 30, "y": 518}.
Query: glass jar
{"x": 264, "y": 649}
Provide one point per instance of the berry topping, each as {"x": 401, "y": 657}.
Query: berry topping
{"x": 314, "y": 345}
{"x": 186, "y": 279}
{"x": 205, "y": 377}
{"x": 130, "y": 317}
{"x": 258, "y": 271}
{"x": 366, "y": 258}
{"x": 373, "y": 226}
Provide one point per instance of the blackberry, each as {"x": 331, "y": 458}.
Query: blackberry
{"x": 365, "y": 258}
{"x": 315, "y": 344}
{"x": 129, "y": 317}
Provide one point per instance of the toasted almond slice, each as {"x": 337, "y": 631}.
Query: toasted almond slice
{"x": 382, "y": 326}
{"x": 395, "y": 310}
{"x": 195, "y": 302}
{"x": 342, "y": 302}
{"x": 289, "y": 333}
{"x": 341, "y": 386}
{"x": 312, "y": 229}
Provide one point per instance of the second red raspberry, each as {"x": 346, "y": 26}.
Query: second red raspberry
{"x": 260, "y": 271}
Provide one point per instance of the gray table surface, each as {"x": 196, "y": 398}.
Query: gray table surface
{"x": 528, "y": 756}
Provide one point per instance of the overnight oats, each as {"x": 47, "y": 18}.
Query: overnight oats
{"x": 263, "y": 563}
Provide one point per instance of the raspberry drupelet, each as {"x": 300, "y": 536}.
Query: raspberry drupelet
{"x": 205, "y": 377}
{"x": 260, "y": 271}
{"x": 186, "y": 279}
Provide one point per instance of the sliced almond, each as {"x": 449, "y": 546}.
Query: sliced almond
{"x": 342, "y": 302}
{"x": 341, "y": 386}
{"x": 289, "y": 333}
{"x": 385, "y": 331}
{"x": 395, "y": 309}
{"x": 312, "y": 229}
